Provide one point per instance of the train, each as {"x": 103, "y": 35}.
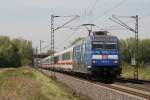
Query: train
{"x": 95, "y": 55}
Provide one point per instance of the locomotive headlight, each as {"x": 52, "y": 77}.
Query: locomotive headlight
{"x": 89, "y": 66}
{"x": 94, "y": 61}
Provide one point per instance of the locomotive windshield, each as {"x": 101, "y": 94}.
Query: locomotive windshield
{"x": 98, "y": 45}
{"x": 104, "y": 46}
{"x": 110, "y": 46}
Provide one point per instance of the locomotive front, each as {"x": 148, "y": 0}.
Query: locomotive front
{"x": 105, "y": 55}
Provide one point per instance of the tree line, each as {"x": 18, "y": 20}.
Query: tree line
{"x": 15, "y": 52}
{"x": 128, "y": 50}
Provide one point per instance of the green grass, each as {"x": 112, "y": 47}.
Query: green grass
{"x": 144, "y": 72}
{"x": 16, "y": 73}
{"x": 29, "y": 84}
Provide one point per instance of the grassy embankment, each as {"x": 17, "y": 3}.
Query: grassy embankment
{"x": 28, "y": 84}
{"x": 128, "y": 72}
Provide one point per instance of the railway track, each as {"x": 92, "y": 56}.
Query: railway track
{"x": 138, "y": 88}
{"x": 134, "y": 91}
{"x": 141, "y": 91}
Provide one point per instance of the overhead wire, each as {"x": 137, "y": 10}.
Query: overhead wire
{"x": 69, "y": 37}
{"x": 111, "y": 9}
{"x": 92, "y": 8}
{"x": 72, "y": 34}
{"x": 90, "y": 11}
{"x": 67, "y": 27}
{"x": 142, "y": 17}
{"x": 77, "y": 29}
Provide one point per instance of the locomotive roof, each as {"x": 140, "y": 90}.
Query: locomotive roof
{"x": 103, "y": 37}
{"x": 59, "y": 53}
{"x": 64, "y": 51}
{"x": 97, "y": 38}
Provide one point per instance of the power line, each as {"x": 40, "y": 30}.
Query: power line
{"x": 69, "y": 37}
{"x": 77, "y": 28}
{"x": 72, "y": 34}
{"x": 111, "y": 9}
{"x": 92, "y": 8}
{"x": 66, "y": 23}
{"x": 135, "y": 58}
{"x": 90, "y": 11}
{"x": 142, "y": 17}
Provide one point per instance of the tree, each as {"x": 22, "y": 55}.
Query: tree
{"x": 145, "y": 51}
{"x": 8, "y": 53}
{"x": 15, "y": 58}
{"x": 128, "y": 50}
{"x": 26, "y": 51}
{"x": 16, "y": 52}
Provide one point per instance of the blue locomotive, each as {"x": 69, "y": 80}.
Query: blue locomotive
{"x": 98, "y": 54}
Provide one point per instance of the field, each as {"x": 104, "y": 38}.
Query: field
{"x": 26, "y": 83}
{"x": 144, "y": 72}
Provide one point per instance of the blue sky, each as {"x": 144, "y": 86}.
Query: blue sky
{"x": 30, "y": 19}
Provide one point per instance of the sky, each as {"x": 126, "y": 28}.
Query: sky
{"x": 30, "y": 19}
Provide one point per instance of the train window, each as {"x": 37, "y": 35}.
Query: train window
{"x": 74, "y": 54}
{"x": 110, "y": 46}
{"x": 77, "y": 54}
{"x": 104, "y": 46}
{"x": 83, "y": 52}
{"x": 67, "y": 55}
{"x": 98, "y": 45}
{"x": 71, "y": 55}
{"x": 56, "y": 59}
{"x": 63, "y": 56}
{"x": 60, "y": 57}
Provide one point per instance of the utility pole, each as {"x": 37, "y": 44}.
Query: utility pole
{"x": 40, "y": 52}
{"x": 52, "y": 44}
{"x": 118, "y": 21}
{"x": 53, "y": 29}
{"x": 137, "y": 49}
{"x": 36, "y": 57}
{"x": 40, "y": 45}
